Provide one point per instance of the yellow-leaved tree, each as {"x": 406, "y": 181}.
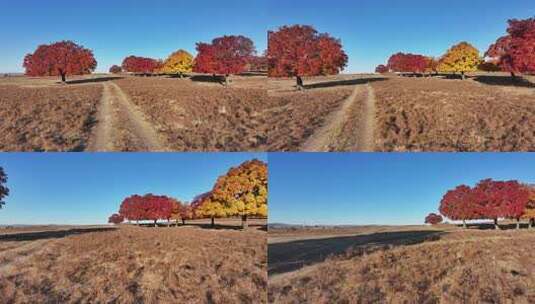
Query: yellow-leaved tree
{"x": 210, "y": 208}
{"x": 243, "y": 191}
{"x": 461, "y": 58}
{"x": 179, "y": 62}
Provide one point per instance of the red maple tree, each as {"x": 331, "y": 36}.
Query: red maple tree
{"x": 458, "y": 204}
{"x": 115, "y": 219}
{"x": 381, "y": 69}
{"x": 500, "y": 199}
{"x": 60, "y": 59}
{"x": 515, "y": 53}
{"x": 299, "y": 50}
{"x": 406, "y": 63}
{"x": 433, "y": 219}
{"x": 115, "y": 69}
{"x": 135, "y": 64}
{"x": 226, "y": 55}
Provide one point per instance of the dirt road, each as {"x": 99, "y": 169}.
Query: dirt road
{"x": 350, "y": 128}
{"x": 121, "y": 126}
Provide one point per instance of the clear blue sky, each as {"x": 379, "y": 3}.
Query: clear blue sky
{"x": 85, "y": 188}
{"x": 372, "y": 30}
{"x": 375, "y": 188}
{"x": 115, "y": 29}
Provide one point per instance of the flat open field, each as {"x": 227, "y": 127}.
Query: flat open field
{"x": 429, "y": 114}
{"x": 46, "y": 118}
{"x": 103, "y": 113}
{"x": 487, "y": 112}
{"x": 413, "y": 264}
{"x": 185, "y": 264}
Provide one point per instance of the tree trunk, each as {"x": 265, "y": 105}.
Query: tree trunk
{"x": 63, "y": 76}
{"x": 244, "y": 224}
{"x": 462, "y": 76}
{"x": 155, "y": 223}
{"x": 517, "y": 224}
{"x": 513, "y": 75}
{"x": 531, "y": 221}
{"x": 183, "y": 222}
{"x": 180, "y": 75}
{"x": 496, "y": 226}
{"x": 213, "y": 222}
{"x": 176, "y": 223}
{"x": 464, "y": 224}
{"x": 227, "y": 81}
{"x": 299, "y": 82}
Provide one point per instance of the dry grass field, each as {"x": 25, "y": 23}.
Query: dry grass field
{"x": 429, "y": 114}
{"x": 403, "y": 265}
{"x": 487, "y": 112}
{"x": 339, "y": 113}
{"x": 185, "y": 264}
{"x": 46, "y": 117}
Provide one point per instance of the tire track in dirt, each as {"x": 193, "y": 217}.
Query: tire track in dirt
{"x": 120, "y": 121}
{"x": 366, "y": 142}
{"x": 101, "y": 138}
{"x": 323, "y": 138}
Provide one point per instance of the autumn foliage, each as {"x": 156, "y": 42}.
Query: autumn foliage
{"x": 225, "y": 55}
{"x": 179, "y": 62}
{"x": 115, "y": 219}
{"x": 407, "y": 63}
{"x": 433, "y": 219}
{"x": 299, "y": 50}
{"x": 60, "y": 59}
{"x": 241, "y": 192}
{"x": 4, "y": 191}
{"x": 489, "y": 199}
{"x": 515, "y": 52}
{"x": 115, "y": 69}
{"x": 381, "y": 69}
{"x": 148, "y": 207}
{"x": 134, "y": 64}
{"x": 461, "y": 58}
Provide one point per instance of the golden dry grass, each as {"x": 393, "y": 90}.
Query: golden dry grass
{"x": 459, "y": 267}
{"x": 137, "y": 265}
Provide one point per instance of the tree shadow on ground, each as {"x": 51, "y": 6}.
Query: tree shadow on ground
{"x": 92, "y": 80}
{"x": 504, "y": 81}
{"x": 290, "y": 256}
{"x": 54, "y": 234}
{"x": 208, "y": 226}
{"x": 490, "y": 226}
{"x": 348, "y": 82}
{"x": 208, "y": 78}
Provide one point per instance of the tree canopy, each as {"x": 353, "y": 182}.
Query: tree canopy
{"x": 515, "y": 52}
{"x": 224, "y": 55}
{"x": 179, "y": 62}
{"x": 460, "y": 58}
{"x": 135, "y": 64}
{"x": 60, "y": 59}
{"x": 299, "y": 50}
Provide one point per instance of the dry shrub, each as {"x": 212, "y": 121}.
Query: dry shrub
{"x": 488, "y": 267}
{"x": 47, "y": 118}
{"x": 142, "y": 265}
{"x": 451, "y": 115}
